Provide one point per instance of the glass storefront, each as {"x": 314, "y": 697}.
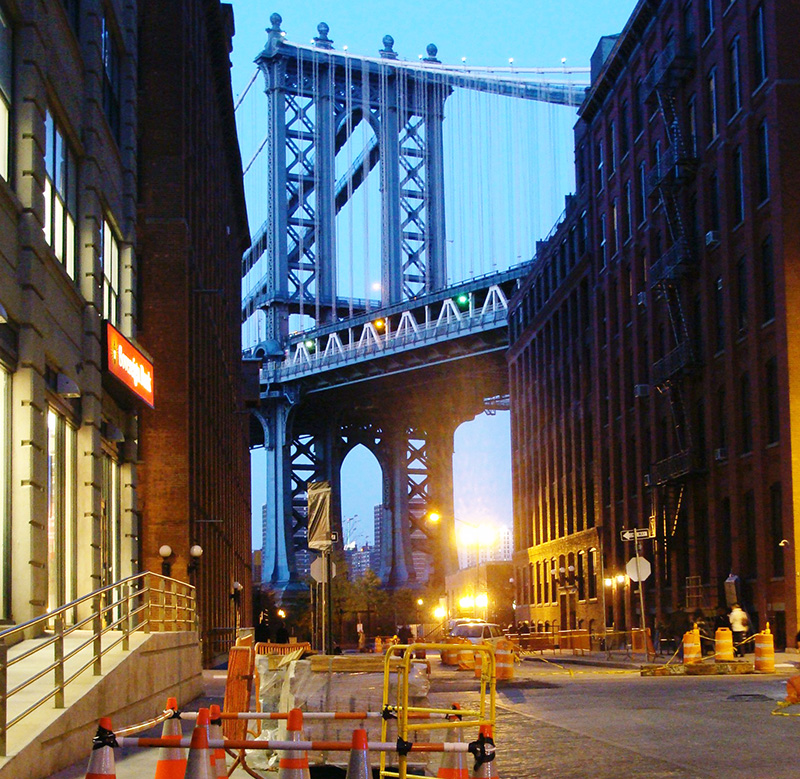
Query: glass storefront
{"x": 5, "y": 498}
{"x": 62, "y": 452}
{"x": 110, "y": 533}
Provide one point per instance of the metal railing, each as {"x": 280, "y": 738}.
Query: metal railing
{"x": 146, "y": 602}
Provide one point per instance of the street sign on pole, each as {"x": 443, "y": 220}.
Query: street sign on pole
{"x": 635, "y": 534}
{"x": 638, "y": 569}
{"x": 318, "y": 570}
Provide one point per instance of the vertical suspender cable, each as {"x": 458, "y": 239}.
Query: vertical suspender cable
{"x": 348, "y": 83}
{"x": 366, "y": 128}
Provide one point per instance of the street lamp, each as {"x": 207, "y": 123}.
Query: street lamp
{"x": 195, "y": 553}
{"x": 165, "y": 552}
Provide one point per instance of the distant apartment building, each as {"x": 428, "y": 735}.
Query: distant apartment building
{"x": 500, "y": 549}
{"x": 652, "y": 347}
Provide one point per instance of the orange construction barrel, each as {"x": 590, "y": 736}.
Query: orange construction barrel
{"x": 723, "y": 645}
{"x": 765, "y": 651}
{"x": 479, "y": 660}
{"x": 466, "y": 656}
{"x": 449, "y": 656}
{"x": 691, "y": 647}
{"x": 504, "y": 660}
{"x": 378, "y": 645}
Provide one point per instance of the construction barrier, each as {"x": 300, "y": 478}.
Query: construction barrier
{"x": 723, "y": 645}
{"x": 765, "y": 651}
{"x": 268, "y": 648}
{"x": 691, "y": 647}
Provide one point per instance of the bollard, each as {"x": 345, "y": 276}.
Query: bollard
{"x": 765, "y": 651}
{"x": 691, "y": 647}
{"x": 723, "y": 645}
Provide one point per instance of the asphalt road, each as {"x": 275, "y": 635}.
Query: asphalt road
{"x": 612, "y": 724}
{"x": 578, "y": 722}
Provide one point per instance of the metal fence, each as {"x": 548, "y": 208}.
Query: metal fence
{"x": 69, "y": 644}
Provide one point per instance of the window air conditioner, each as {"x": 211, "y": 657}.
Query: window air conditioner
{"x": 641, "y": 390}
{"x": 712, "y": 238}
{"x": 647, "y": 481}
{"x": 721, "y": 454}
{"x": 641, "y": 298}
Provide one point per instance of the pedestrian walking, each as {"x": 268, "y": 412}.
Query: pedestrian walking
{"x": 739, "y": 624}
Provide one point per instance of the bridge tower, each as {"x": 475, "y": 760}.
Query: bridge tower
{"x": 404, "y": 407}
{"x": 317, "y": 97}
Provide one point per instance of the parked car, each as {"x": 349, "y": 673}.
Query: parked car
{"x": 478, "y": 632}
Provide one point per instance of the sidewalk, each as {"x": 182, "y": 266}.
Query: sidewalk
{"x": 785, "y": 662}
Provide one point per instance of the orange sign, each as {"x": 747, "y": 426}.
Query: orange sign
{"x": 129, "y": 365}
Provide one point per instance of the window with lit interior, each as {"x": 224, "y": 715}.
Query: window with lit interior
{"x": 60, "y": 195}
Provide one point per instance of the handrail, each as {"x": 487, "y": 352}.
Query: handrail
{"x": 145, "y": 602}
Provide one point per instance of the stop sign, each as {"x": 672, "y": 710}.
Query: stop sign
{"x": 644, "y": 569}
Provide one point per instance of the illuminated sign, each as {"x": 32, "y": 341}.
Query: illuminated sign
{"x": 129, "y": 365}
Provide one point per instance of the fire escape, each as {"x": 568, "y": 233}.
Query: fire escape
{"x": 673, "y": 170}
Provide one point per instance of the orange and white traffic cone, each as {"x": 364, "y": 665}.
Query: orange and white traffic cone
{"x": 215, "y": 732}
{"x": 485, "y": 766}
{"x": 294, "y": 762}
{"x": 171, "y": 760}
{"x": 358, "y": 767}
{"x": 454, "y": 764}
{"x": 101, "y": 763}
{"x": 198, "y": 766}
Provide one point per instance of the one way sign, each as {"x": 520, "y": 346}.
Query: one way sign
{"x": 635, "y": 534}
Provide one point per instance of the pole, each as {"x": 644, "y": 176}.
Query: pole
{"x": 641, "y": 598}
{"x": 328, "y": 605}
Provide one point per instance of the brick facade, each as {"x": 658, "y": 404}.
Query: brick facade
{"x": 651, "y": 363}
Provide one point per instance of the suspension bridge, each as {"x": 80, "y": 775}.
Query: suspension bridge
{"x": 378, "y": 305}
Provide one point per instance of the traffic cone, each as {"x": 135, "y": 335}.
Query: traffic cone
{"x": 294, "y": 762}
{"x": 171, "y": 760}
{"x": 358, "y": 767}
{"x": 454, "y": 764}
{"x": 215, "y": 732}
{"x": 485, "y": 766}
{"x": 198, "y": 766}
{"x": 101, "y": 763}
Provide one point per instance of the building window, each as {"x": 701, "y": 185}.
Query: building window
{"x": 591, "y": 574}
{"x": 5, "y": 498}
{"x": 767, "y": 280}
{"x": 112, "y": 81}
{"x": 638, "y": 109}
{"x": 737, "y": 174}
{"x": 624, "y": 138}
{"x": 711, "y": 93}
{"x": 741, "y": 293}
{"x": 110, "y": 522}
{"x": 776, "y": 522}
{"x": 110, "y": 258}
{"x": 6, "y": 59}
{"x": 706, "y": 17}
{"x": 62, "y": 454}
{"x": 60, "y": 195}
{"x": 692, "y": 126}
{"x": 759, "y": 47}
{"x": 746, "y": 413}
{"x": 762, "y": 141}
{"x": 642, "y": 192}
{"x": 612, "y": 148}
{"x": 772, "y": 400}
{"x": 546, "y": 577}
{"x": 614, "y": 227}
{"x": 73, "y": 10}
{"x": 628, "y": 225}
{"x": 603, "y": 247}
{"x": 600, "y": 181}
{"x": 713, "y": 193}
{"x": 735, "y": 83}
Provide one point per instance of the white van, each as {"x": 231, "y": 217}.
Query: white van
{"x": 478, "y": 632}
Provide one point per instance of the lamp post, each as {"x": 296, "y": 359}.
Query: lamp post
{"x": 195, "y": 553}
{"x": 165, "y": 551}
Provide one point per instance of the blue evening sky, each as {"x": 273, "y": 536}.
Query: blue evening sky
{"x": 536, "y": 33}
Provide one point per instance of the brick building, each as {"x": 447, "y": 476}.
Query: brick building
{"x": 195, "y": 471}
{"x": 651, "y": 363}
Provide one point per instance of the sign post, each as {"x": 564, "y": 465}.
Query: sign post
{"x": 638, "y": 570}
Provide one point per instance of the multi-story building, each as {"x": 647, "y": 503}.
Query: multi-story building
{"x": 68, "y": 281}
{"x": 652, "y": 362}
{"x": 195, "y": 471}
{"x": 501, "y": 548}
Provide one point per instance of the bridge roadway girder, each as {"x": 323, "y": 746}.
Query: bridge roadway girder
{"x": 408, "y": 420}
